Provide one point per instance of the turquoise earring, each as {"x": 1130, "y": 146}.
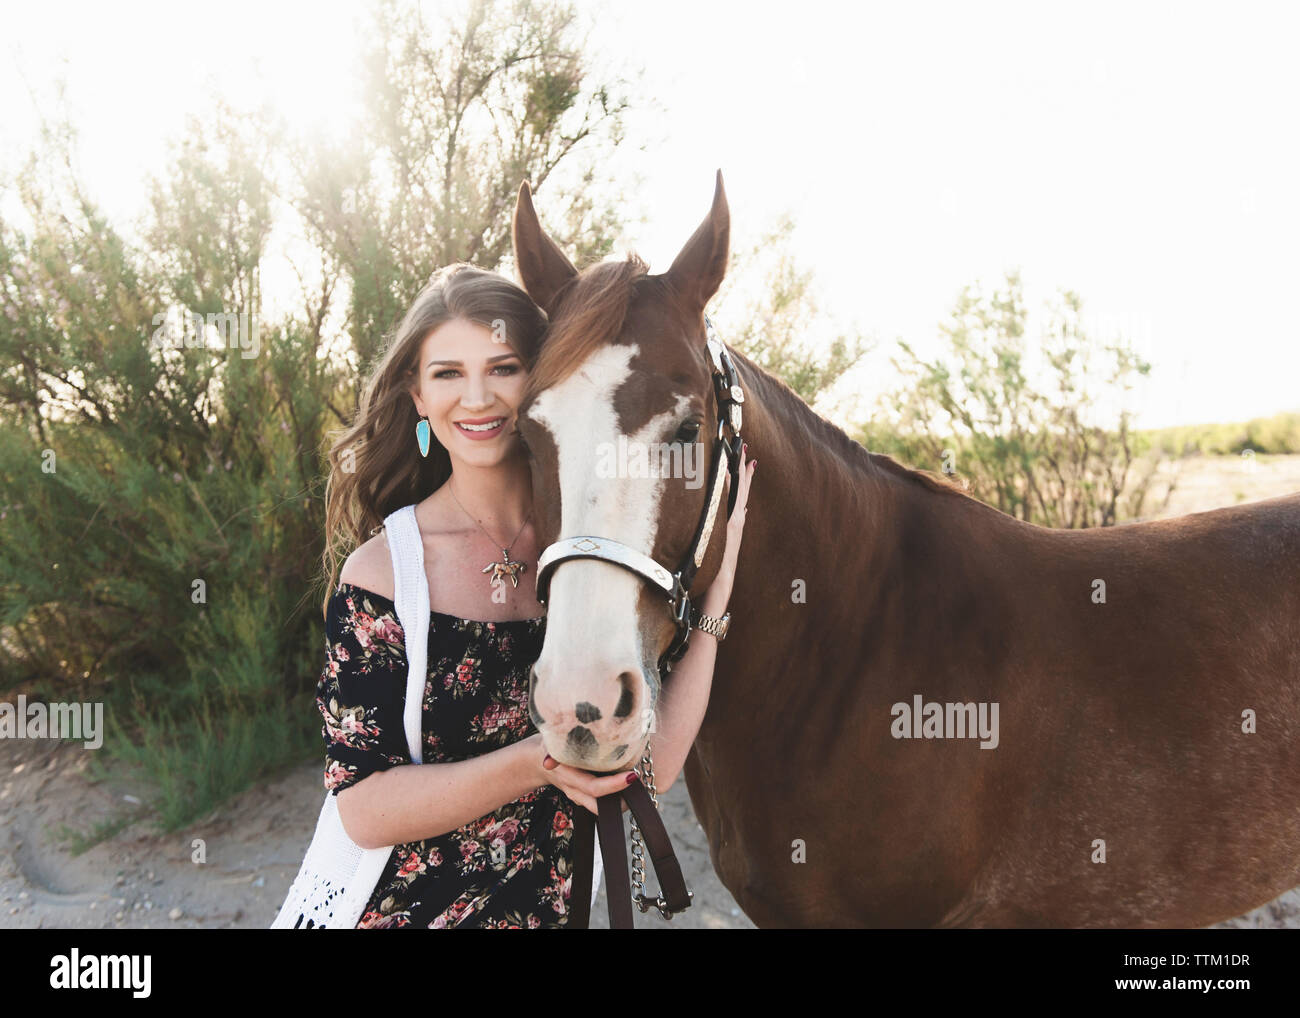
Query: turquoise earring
{"x": 422, "y": 436}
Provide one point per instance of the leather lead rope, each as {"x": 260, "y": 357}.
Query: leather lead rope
{"x": 583, "y": 863}
{"x": 618, "y": 886}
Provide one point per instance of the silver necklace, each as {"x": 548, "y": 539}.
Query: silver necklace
{"x": 507, "y": 566}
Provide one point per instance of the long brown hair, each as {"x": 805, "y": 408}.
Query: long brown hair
{"x": 375, "y": 466}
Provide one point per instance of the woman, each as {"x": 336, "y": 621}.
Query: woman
{"x": 484, "y": 829}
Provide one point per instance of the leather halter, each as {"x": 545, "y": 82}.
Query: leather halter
{"x": 675, "y": 585}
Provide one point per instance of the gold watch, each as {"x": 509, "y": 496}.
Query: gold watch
{"x": 716, "y": 628}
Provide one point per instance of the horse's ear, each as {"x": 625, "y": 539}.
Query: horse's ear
{"x": 541, "y": 265}
{"x": 697, "y": 271}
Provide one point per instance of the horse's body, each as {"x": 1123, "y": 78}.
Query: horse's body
{"x": 1119, "y": 721}
{"x": 1125, "y": 788}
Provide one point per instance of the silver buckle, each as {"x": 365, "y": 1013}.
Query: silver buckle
{"x": 644, "y": 903}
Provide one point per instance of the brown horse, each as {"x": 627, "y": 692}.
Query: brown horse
{"x": 926, "y": 712}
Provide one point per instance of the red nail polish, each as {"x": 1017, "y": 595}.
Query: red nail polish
{"x": 631, "y": 777}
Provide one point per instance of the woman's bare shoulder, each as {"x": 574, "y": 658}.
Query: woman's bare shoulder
{"x": 370, "y": 567}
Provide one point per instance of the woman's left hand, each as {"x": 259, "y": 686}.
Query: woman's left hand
{"x": 720, "y": 589}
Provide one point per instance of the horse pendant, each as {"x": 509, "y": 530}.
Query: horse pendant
{"x": 506, "y": 567}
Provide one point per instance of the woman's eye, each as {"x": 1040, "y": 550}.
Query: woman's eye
{"x": 508, "y": 369}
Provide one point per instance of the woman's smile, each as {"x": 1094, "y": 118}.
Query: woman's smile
{"x": 480, "y": 429}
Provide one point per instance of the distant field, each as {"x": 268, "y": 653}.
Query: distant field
{"x": 1278, "y": 435}
{"x": 1212, "y": 482}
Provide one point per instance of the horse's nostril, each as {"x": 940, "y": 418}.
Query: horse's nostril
{"x": 624, "y": 707}
{"x": 581, "y": 740}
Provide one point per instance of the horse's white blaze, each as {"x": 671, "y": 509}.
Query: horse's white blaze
{"x": 591, "y": 631}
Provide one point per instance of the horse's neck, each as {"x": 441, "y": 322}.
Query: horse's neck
{"x": 822, "y": 499}
{"x": 843, "y": 526}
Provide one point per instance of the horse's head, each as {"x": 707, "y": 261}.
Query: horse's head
{"x": 620, "y": 419}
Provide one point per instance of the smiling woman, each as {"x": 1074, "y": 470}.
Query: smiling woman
{"x": 478, "y": 831}
{"x": 469, "y": 335}
{"x": 455, "y": 335}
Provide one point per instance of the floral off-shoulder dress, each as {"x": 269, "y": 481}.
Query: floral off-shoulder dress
{"x": 511, "y": 869}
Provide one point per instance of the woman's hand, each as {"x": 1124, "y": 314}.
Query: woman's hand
{"x": 719, "y": 592}
{"x": 581, "y": 786}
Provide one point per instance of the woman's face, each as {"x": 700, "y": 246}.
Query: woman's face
{"x": 466, "y": 376}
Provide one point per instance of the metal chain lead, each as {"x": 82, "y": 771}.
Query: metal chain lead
{"x": 638, "y": 855}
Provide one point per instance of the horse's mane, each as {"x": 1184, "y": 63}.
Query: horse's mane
{"x": 925, "y": 478}
{"x": 785, "y": 403}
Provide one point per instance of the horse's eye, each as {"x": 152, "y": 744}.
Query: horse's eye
{"x": 688, "y": 432}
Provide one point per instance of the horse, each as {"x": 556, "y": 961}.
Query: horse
{"x": 926, "y": 713}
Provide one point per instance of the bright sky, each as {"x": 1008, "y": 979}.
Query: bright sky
{"x": 1144, "y": 155}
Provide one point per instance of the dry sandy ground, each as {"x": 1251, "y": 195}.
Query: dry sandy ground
{"x": 254, "y": 844}
{"x": 1208, "y": 482}
{"x": 253, "y": 848}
